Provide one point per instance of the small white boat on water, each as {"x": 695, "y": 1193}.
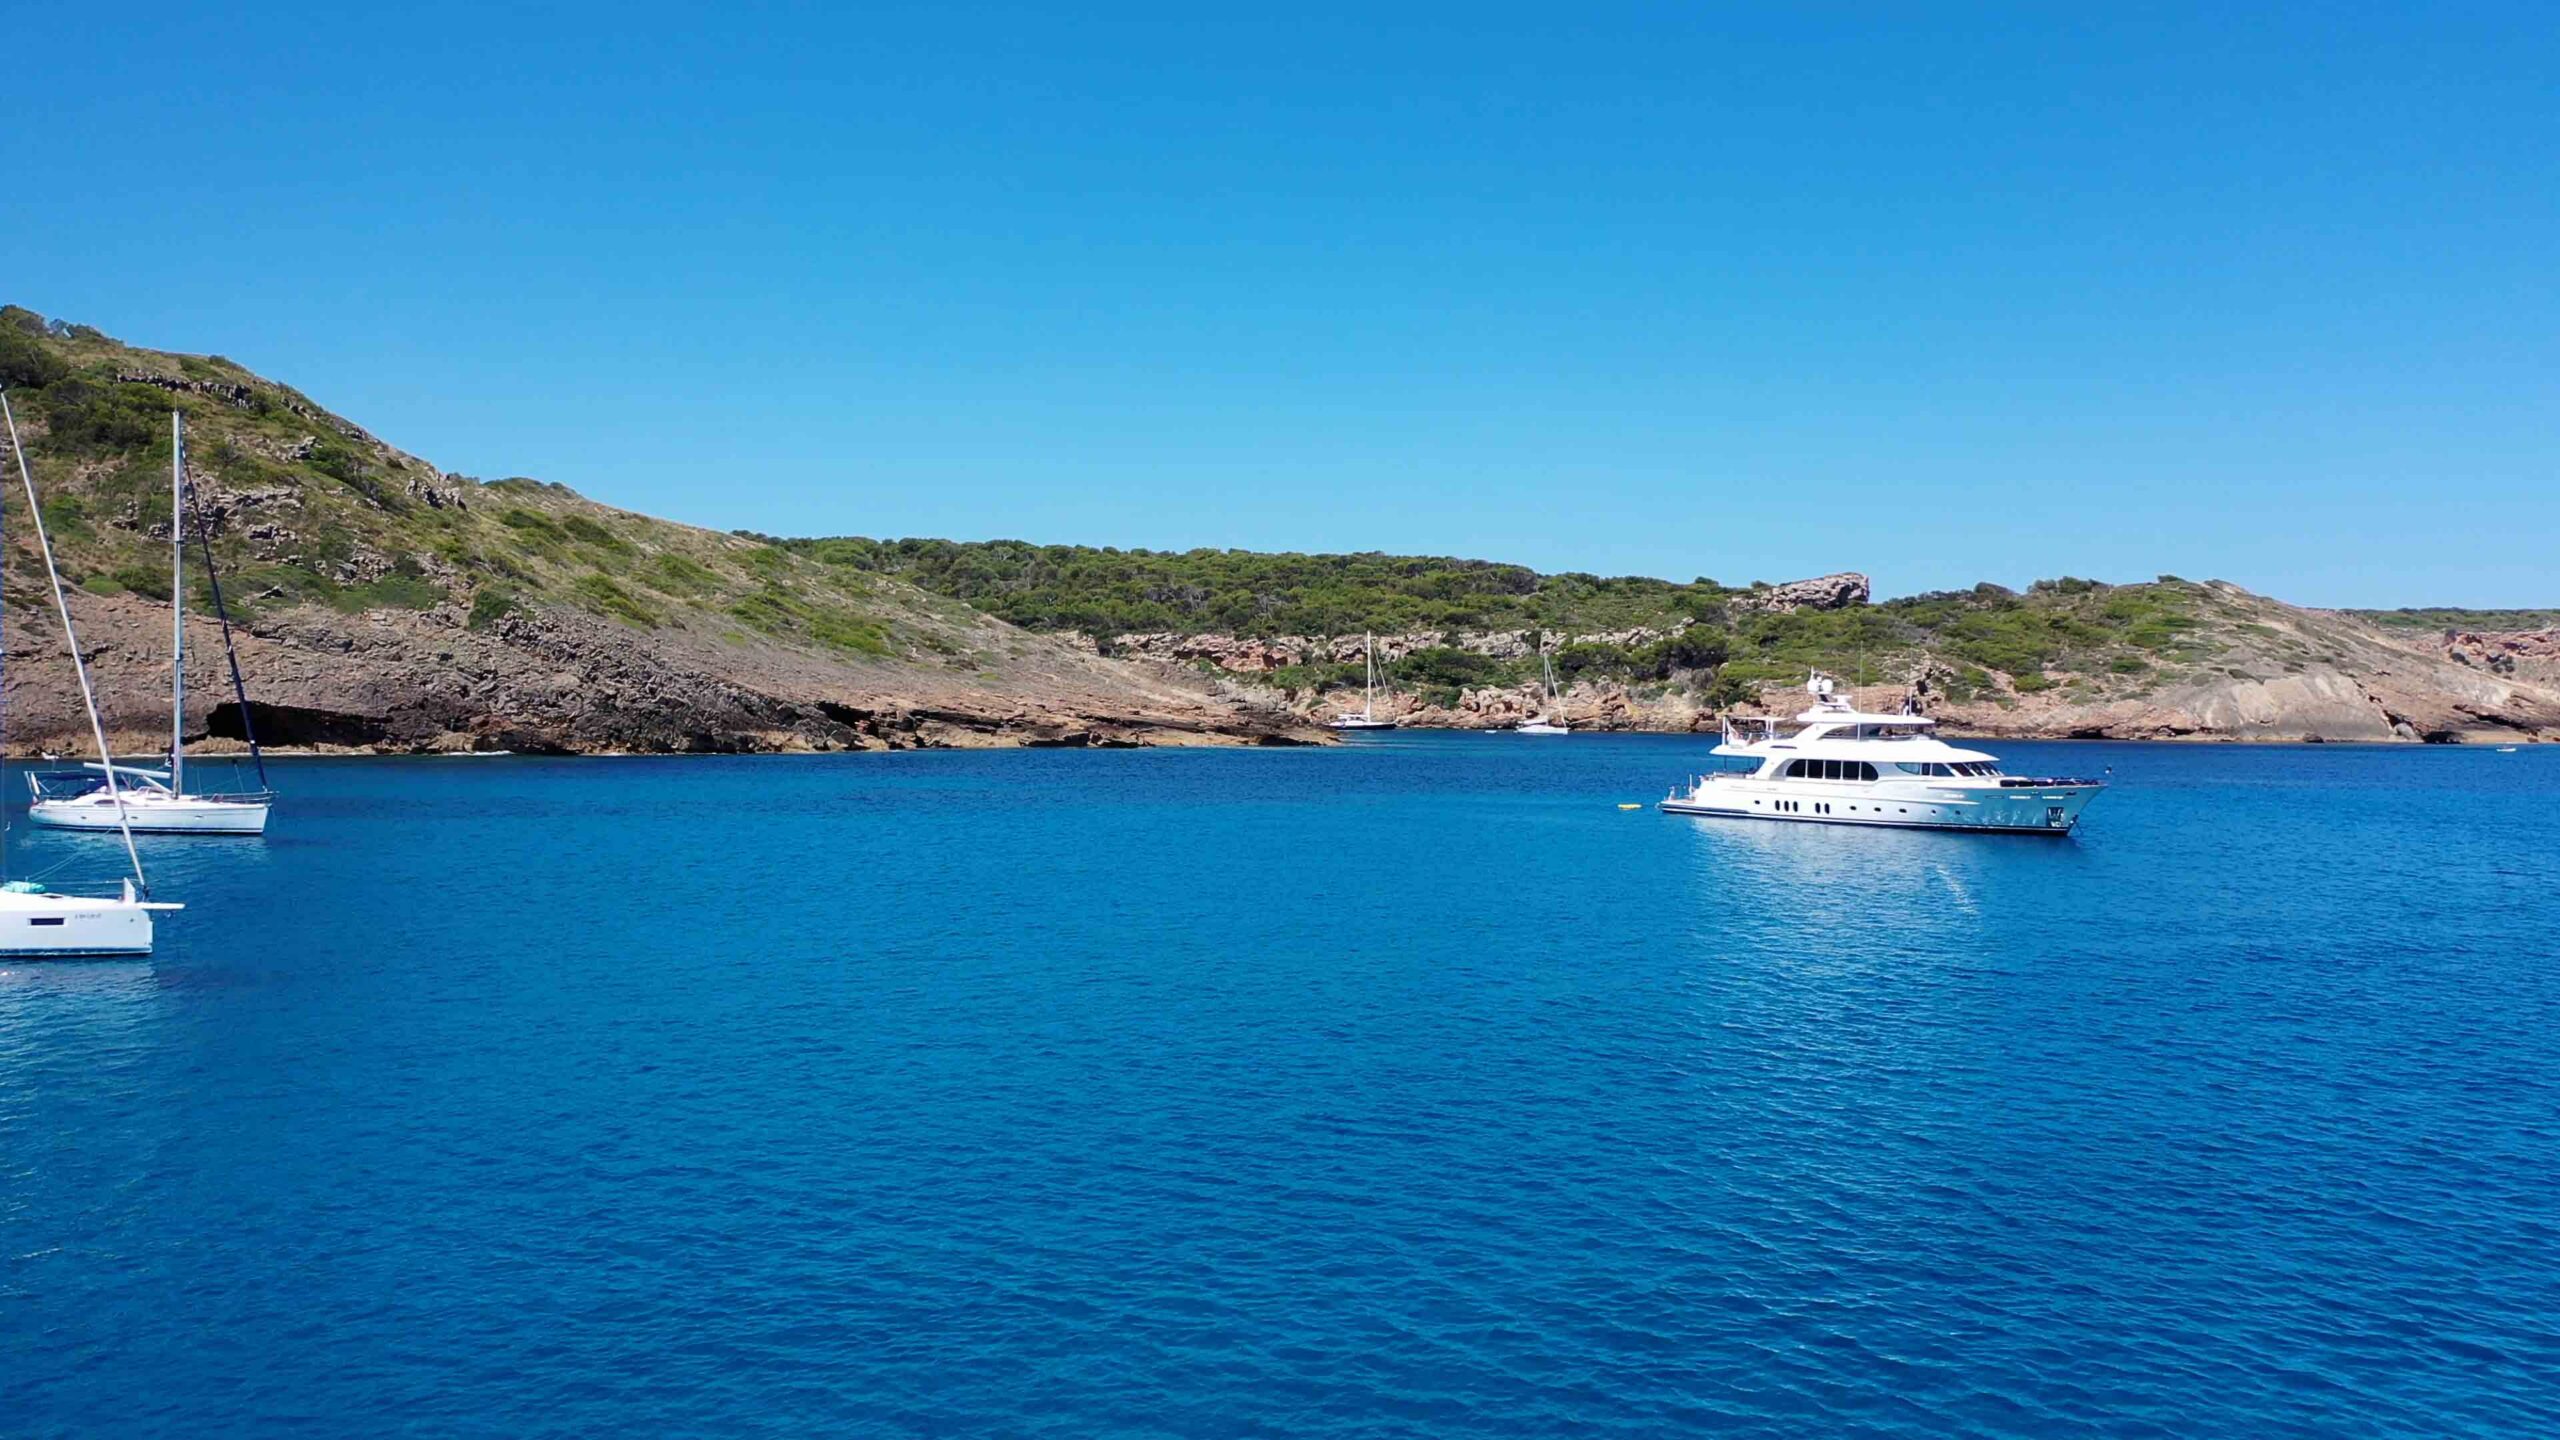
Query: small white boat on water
{"x": 1368, "y": 718}
{"x": 149, "y": 803}
{"x": 1551, "y": 721}
{"x": 37, "y": 921}
{"x": 1842, "y": 766}
{"x": 37, "y": 924}
{"x": 156, "y": 801}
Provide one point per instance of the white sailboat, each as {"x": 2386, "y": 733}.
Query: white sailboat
{"x": 36, "y": 921}
{"x": 1367, "y": 719}
{"x": 1551, "y": 722}
{"x": 104, "y": 796}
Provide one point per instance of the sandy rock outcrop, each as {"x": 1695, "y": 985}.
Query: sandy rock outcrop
{"x": 2526, "y": 654}
{"x": 560, "y": 681}
{"x": 2259, "y": 670}
{"x": 1822, "y": 592}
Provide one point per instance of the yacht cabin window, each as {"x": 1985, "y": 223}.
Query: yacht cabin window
{"x": 1830, "y": 770}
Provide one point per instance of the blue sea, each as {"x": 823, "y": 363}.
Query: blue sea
{"x": 1406, "y": 1088}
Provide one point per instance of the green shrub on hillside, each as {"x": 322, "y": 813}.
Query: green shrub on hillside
{"x": 2440, "y": 618}
{"x": 588, "y": 532}
{"x": 92, "y": 416}
{"x": 597, "y": 592}
{"x": 24, "y": 362}
{"x": 1106, "y": 592}
{"x": 493, "y": 604}
{"x": 776, "y": 612}
{"x": 65, "y": 518}
{"x": 1448, "y": 668}
{"x": 392, "y": 592}
{"x": 151, "y": 582}
{"x": 680, "y": 575}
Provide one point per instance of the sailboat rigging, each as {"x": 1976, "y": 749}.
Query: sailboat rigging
{"x": 1367, "y": 719}
{"x": 106, "y": 795}
{"x": 35, "y": 920}
{"x": 1550, "y": 721}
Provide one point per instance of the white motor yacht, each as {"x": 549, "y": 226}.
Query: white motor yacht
{"x": 1841, "y": 766}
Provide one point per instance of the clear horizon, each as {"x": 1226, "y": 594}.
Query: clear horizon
{"x": 2262, "y": 299}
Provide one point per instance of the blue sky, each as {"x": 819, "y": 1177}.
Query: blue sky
{"x": 1939, "y": 293}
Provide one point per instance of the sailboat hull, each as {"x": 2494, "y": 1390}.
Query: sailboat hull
{"x": 44, "y": 926}
{"x": 155, "y": 814}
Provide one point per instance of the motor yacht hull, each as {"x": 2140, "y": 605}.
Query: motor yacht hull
{"x": 2009, "y": 808}
{"x": 41, "y": 926}
{"x": 154, "y": 815}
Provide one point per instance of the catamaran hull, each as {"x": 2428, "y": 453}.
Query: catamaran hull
{"x": 2043, "y": 810}
{"x": 65, "y": 927}
{"x": 146, "y": 818}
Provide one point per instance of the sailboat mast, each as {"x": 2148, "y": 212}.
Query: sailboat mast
{"x": 177, "y": 603}
{"x": 71, "y": 642}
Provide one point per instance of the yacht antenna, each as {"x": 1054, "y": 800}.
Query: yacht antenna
{"x": 71, "y": 641}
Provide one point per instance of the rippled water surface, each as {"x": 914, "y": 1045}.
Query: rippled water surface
{"x": 1409, "y": 1088}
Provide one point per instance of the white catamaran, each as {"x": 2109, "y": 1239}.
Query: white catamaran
{"x": 106, "y": 796}
{"x": 1841, "y": 766}
{"x": 1551, "y": 720}
{"x": 34, "y": 919}
{"x": 1367, "y": 719}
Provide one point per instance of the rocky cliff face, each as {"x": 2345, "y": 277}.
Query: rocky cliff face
{"x": 2250, "y": 669}
{"x": 2532, "y": 655}
{"x": 388, "y": 605}
{"x": 553, "y": 681}
{"x": 2291, "y": 674}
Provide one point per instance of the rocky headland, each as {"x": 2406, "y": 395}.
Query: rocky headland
{"x": 2252, "y": 669}
{"x": 384, "y": 605}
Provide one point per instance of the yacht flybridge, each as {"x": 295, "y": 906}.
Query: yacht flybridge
{"x": 1367, "y": 719}
{"x": 1843, "y": 766}
{"x": 36, "y": 920}
{"x": 106, "y": 796}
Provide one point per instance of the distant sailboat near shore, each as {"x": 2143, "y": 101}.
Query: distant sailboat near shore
{"x": 35, "y": 920}
{"x": 1367, "y": 719}
{"x": 1551, "y": 720}
{"x": 107, "y": 796}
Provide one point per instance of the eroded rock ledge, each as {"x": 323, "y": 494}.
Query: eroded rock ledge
{"x": 560, "y": 682}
